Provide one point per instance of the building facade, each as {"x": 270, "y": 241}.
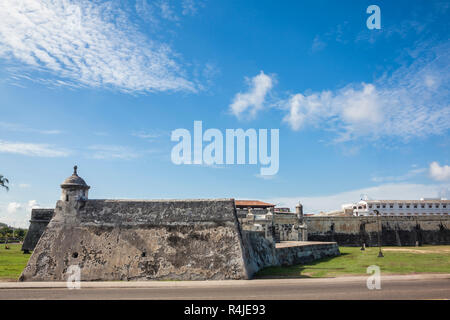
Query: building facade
{"x": 422, "y": 207}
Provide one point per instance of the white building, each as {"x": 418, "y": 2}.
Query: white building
{"x": 425, "y": 206}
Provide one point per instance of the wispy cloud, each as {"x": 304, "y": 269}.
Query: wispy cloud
{"x": 253, "y": 100}
{"x": 190, "y": 7}
{"x": 403, "y": 29}
{"x": 32, "y": 149}
{"x": 85, "y": 44}
{"x": 438, "y": 172}
{"x": 113, "y": 152}
{"x": 411, "y": 102}
{"x": 166, "y": 10}
{"x": 265, "y": 177}
{"x": 318, "y": 44}
{"x": 148, "y": 135}
{"x": 338, "y": 33}
{"x": 17, "y": 214}
{"x": 13, "y": 207}
{"x": 21, "y": 128}
{"x": 409, "y": 175}
{"x": 155, "y": 12}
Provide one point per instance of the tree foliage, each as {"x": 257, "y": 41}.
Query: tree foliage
{"x": 4, "y": 182}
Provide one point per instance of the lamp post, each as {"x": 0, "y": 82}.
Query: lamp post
{"x": 380, "y": 254}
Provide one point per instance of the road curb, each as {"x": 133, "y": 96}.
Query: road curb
{"x": 216, "y": 283}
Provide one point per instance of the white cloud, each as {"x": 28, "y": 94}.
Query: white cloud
{"x": 147, "y": 135}
{"x": 113, "y": 152}
{"x": 411, "y": 102}
{"x": 24, "y": 185}
{"x": 265, "y": 177}
{"x": 167, "y": 12}
{"x": 444, "y": 193}
{"x": 253, "y": 100}
{"x": 13, "y": 207}
{"x": 189, "y": 7}
{"x": 393, "y": 191}
{"x": 338, "y": 33}
{"x": 318, "y": 44}
{"x": 33, "y": 204}
{"x": 32, "y": 149}
{"x": 402, "y": 29}
{"x": 410, "y": 174}
{"x": 439, "y": 173}
{"x": 21, "y": 128}
{"x": 17, "y": 214}
{"x": 101, "y": 133}
{"x": 85, "y": 43}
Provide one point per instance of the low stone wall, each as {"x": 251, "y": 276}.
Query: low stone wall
{"x": 39, "y": 221}
{"x": 396, "y": 230}
{"x": 261, "y": 253}
{"x": 298, "y": 252}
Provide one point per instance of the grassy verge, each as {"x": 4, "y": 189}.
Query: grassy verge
{"x": 12, "y": 261}
{"x": 353, "y": 261}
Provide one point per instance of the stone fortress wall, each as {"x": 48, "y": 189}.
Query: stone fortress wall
{"x": 395, "y": 230}
{"x": 158, "y": 239}
{"x": 198, "y": 239}
{"x": 39, "y": 221}
{"x": 139, "y": 240}
{"x": 280, "y": 226}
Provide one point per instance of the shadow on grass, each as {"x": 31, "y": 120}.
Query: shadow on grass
{"x": 295, "y": 271}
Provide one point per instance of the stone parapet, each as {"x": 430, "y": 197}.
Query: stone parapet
{"x": 395, "y": 230}
{"x": 39, "y": 221}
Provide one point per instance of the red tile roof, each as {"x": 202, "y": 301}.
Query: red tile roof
{"x": 253, "y": 204}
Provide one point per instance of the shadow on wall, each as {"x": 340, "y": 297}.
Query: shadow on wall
{"x": 395, "y": 231}
{"x": 296, "y": 271}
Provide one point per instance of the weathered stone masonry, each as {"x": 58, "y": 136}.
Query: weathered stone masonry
{"x": 396, "y": 230}
{"x": 154, "y": 239}
{"x": 157, "y": 239}
{"x": 132, "y": 240}
{"x": 39, "y": 221}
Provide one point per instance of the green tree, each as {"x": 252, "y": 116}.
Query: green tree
{"x": 4, "y": 182}
{"x": 20, "y": 233}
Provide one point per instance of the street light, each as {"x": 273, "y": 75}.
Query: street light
{"x": 380, "y": 254}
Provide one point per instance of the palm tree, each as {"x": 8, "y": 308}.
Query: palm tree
{"x": 3, "y": 182}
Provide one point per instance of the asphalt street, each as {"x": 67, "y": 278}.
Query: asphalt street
{"x": 392, "y": 287}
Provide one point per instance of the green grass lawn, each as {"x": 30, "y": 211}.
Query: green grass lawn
{"x": 12, "y": 261}
{"x": 353, "y": 261}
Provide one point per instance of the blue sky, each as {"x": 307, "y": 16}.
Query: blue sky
{"x": 102, "y": 84}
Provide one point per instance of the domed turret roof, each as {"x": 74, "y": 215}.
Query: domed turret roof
{"x": 74, "y": 180}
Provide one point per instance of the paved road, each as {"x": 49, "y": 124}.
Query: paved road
{"x": 392, "y": 287}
